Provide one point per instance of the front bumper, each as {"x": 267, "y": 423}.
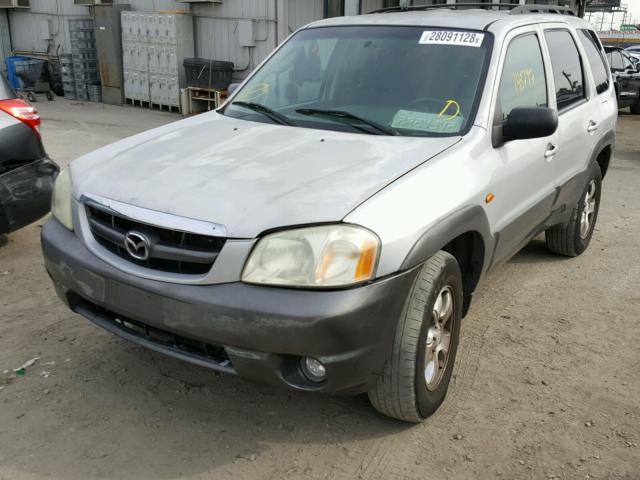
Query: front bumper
{"x": 25, "y": 194}
{"x": 256, "y": 332}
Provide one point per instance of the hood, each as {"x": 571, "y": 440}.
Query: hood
{"x": 249, "y": 176}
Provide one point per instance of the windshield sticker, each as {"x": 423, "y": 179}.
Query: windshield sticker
{"x": 451, "y": 37}
{"x": 428, "y": 122}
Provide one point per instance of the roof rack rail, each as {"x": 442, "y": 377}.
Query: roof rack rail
{"x": 542, "y": 9}
{"x": 514, "y": 8}
{"x": 450, "y": 6}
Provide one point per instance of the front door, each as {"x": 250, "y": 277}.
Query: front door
{"x": 524, "y": 174}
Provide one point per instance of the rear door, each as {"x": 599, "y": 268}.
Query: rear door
{"x": 578, "y": 114}
{"x": 602, "y": 82}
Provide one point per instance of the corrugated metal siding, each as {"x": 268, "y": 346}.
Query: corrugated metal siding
{"x": 5, "y": 40}
{"x": 301, "y": 12}
{"x": 25, "y": 24}
{"x": 216, "y": 32}
{"x": 216, "y": 25}
{"x": 370, "y": 5}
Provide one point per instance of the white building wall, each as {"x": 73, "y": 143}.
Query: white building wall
{"x": 370, "y": 5}
{"x": 26, "y": 24}
{"x": 216, "y": 32}
{"x": 215, "y": 25}
{"x": 5, "y": 39}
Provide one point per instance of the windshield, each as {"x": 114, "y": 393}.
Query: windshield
{"x": 378, "y": 80}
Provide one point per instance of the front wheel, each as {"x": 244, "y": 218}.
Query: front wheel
{"x": 416, "y": 377}
{"x": 572, "y": 238}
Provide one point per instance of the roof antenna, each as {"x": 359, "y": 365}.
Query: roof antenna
{"x": 404, "y": 4}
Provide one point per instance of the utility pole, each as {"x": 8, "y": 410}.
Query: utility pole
{"x": 582, "y": 7}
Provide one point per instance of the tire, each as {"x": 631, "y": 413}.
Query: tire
{"x": 402, "y": 391}
{"x": 572, "y": 238}
{"x": 31, "y": 97}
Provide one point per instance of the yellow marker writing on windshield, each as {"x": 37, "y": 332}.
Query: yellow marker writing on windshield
{"x": 256, "y": 92}
{"x": 448, "y": 105}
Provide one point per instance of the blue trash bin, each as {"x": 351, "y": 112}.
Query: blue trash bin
{"x": 10, "y": 62}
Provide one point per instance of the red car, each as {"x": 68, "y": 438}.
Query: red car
{"x": 26, "y": 172}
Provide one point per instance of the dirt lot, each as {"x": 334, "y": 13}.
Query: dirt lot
{"x": 546, "y": 382}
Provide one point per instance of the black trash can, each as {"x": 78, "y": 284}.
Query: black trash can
{"x": 205, "y": 73}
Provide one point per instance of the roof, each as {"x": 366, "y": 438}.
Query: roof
{"x": 472, "y": 19}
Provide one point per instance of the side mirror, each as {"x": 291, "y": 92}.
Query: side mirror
{"x": 232, "y": 88}
{"x": 530, "y": 122}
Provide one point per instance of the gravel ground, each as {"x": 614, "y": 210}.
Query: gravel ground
{"x": 546, "y": 381}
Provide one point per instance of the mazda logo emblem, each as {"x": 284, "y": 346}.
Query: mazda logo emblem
{"x": 137, "y": 245}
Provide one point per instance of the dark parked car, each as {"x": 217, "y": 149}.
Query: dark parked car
{"x": 626, "y": 78}
{"x": 26, "y": 173}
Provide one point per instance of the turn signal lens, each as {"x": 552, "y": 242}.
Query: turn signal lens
{"x": 61, "y": 203}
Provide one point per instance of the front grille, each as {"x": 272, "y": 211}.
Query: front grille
{"x": 186, "y": 348}
{"x": 171, "y": 251}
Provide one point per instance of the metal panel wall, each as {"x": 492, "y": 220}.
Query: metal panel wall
{"x": 370, "y": 5}
{"x": 216, "y": 32}
{"x": 301, "y": 12}
{"x": 25, "y": 25}
{"x": 215, "y": 24}
{"x": 5, "y": 38}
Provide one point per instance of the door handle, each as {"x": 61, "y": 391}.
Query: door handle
{"x": 551, "y": 152}
{"x": 593, "y": 126}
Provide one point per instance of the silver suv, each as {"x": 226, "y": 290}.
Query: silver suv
{"x": 325, "y": 229}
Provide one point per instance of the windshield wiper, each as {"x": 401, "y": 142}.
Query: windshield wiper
{"x": 382, "y": 129}
{"x": 266, "y": 111}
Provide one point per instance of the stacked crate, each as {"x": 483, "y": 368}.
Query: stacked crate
{"x": 154, "y": 46}
{"x": 68, "y": 80}
{"x": 84, "y": 54}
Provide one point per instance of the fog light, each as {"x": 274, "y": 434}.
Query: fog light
{"x": 313, "y": 369}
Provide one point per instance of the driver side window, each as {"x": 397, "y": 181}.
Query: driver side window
{"x": 523, "y": 82}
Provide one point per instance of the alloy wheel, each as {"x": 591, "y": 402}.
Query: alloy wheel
{"x": 439, "y": 338}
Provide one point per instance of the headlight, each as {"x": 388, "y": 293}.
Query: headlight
{"x": 326, "y": 256}
{"x": 61, "y": 199}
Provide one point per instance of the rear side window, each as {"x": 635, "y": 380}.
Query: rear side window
{"x": 567, "y": 68}
{"x": 615, "y": 60}
{"x": 523, "y": 82}
{"x": 597, "y": 63}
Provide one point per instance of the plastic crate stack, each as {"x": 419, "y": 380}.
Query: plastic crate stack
{"x": 85, "y": 63}
{"x": 153, "y": 47}
{"x": 68, "y": 80}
